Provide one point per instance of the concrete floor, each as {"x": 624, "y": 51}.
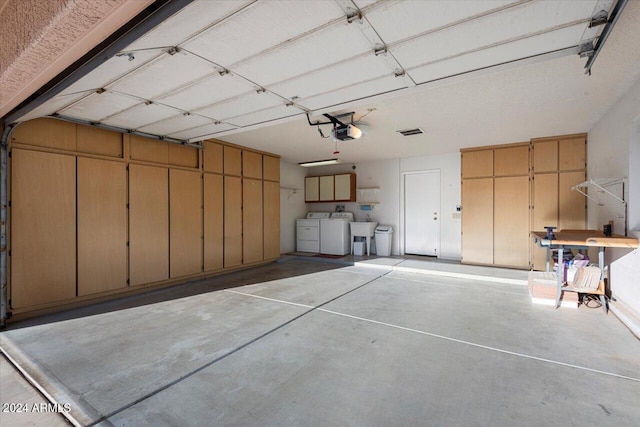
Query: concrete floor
{"x": 322, "y": 343}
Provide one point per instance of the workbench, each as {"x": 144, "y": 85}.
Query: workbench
{"x": 581, "y": 239}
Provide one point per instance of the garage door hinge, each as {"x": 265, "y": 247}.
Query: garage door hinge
{"x": 127, "y": 244}
{"x": 127, "y": 205}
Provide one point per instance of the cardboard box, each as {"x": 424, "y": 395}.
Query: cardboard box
{"x": 543, "y": 288}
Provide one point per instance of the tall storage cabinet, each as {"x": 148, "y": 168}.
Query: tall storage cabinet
{"x": 559, "y": 163}
{"x": 495, "y": 205}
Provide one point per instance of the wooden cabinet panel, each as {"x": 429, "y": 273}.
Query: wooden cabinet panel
{"x": 271, "y": 168}
{"x": 477, "y": 220}
{"x": 545, "y": 156}
{"x": 50, "y": 133}
{"x": 271, "y": 210}
{"x": 512, "y": 161}
{"x": 345, "y": 187}
{"x": 232, "y": 161}
{"x": 180, "y": 155}
{"x": 311, "y": 189}
{"x": 476, "y": 164}
{"x": 148, "y": 150}
{"x": 213, "y": 222}
{"x": 252, "y": 239}
{"x": 102, "y": 226}
{"x": 43, "y": 227}
{"x": 572, "y": 205}
{"x": 511, "y": 240}
{"x": 326, "y": 188}
{"x": 185, "y": 222}
{"x": 572, "y": 154}
{"x": 251, "y": 164}
{"x": 99, "y": 141}
{"x": 212, "y": 157}
{"x": 545, "y": 211}
{"x": 148, "y": 224}
{"x": 232, "y": 221}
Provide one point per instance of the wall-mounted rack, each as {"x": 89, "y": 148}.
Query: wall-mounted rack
{"x": 601, "y": 185}
{"x": 291, "y": 191}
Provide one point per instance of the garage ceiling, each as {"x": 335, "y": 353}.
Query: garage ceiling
{"x": 220, "y": 69}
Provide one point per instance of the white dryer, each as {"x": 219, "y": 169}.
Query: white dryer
{"x": 308, "y": 232}
{"x": 334, "y": 234}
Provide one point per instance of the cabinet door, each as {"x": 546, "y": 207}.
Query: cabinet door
{"x": 572, "y": 154}
{"x": 251, "y": 164}
{"x": 545, "y": 156}
{"x": 232, "y": 221}
{"x": 148, "y": 150}
{"x": 148, "y": 224}
{"x": 252, "y": 249}
{"x": 311, "y": 189}
{"x": 185, "y": 222}
{"x": 572, "y": 209}
{"x": 477, "y": 164}
{"x": 212, "y": 157}
{"x": 213, "y": 222}
{"x": 102, "y": 226}
{"x": 512, "y": 161}
{"x": 43, "y": 227}
{"x": 545, "y": 211}
{"x": 271, "y": 168}
{"x": 477, "y": 220}
{"x": 271, "y": 220}
{"x": 345, "y": 187}
{"x": 232, "y": 161}
{"x": 326, "y": 188}
{"x": 511, "y": 240}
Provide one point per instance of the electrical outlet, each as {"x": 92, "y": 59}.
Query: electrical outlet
{"x": 456, "y": 215}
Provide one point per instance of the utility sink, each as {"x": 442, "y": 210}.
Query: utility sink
{"x": 363, "y": 229}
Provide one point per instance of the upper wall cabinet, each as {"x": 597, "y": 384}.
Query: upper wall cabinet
{"x": 212, "y": 157}
{"x": 271, "y": 168}
{"x": 477, "y": 164}
{"x": 512, "y": 161}
{"x": 232, "y": 161}
{"x": 251, "y": 164}
{"x": 330, "y": 188}
{"x": 545, "y": 156}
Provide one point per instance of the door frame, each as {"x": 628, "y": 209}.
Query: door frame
{"x": 402, "y": 230}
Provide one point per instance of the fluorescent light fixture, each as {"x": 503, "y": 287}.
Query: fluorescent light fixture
{"x": 319, "y": 163}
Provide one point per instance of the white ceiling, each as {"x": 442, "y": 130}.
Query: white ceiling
{"x": 248, "y": 71}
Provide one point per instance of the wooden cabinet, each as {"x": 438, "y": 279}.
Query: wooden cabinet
{"x": 559, "y": 163}
{"x": 345, "y": 187}
{"x": 252, "y": 239}
{"x": 511, "y": 221}
{"x": 326, "y": 188}
{"x": 185, "y": 222}
{"x": 495, "y": 205}
{"x": 477, "y": 220}
{"x": 271, "y": 168}
{"x": 477, "y": 164}
{"x": 232, "y": 161}
{"x": 251, "y": 164}
{"x": 232, "y": 221}
{"x": 271, "y": 224}
{"x": 43, "y": 219}
{"x": 212, "y": 157}
{"x": 213, "y": 222}
{"x": 312, "y": 189}
{"x": 102, "y": 226}
{"x": 330, "y": 188}
{"x": 148, "y": 224}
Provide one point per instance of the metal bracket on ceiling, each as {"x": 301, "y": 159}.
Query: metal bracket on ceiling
{"x": 611, "y": 22}
{"x": 586, "y": 49}
{"x": 353, "y": 14}
{"x": 599, "y": 18}
{"x": 172, "y": 51}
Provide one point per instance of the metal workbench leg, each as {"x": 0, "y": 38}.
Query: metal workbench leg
{"x": 603, "y": 301}
{"x": 548, "y": 259}
{"x": 559, "y": 272}
{"x": 603, "y": 298}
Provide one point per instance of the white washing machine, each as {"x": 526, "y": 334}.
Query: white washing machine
{"x": 308, "y": 232}
{"x": 334, "y": 234}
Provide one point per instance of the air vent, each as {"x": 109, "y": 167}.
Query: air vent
{"x": 409, "y": 132}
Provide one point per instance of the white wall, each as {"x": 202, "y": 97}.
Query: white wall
{"x": 388, "y": 175}
{"x": 292, "y": 206}
{"x": 614, "y": 151}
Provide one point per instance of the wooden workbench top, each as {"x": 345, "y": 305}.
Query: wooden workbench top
{"x": 588, "y": 238}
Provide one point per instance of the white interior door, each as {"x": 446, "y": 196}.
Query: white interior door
{"x": 422, "y": 213}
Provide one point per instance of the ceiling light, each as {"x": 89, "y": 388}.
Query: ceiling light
{"x": 319, "y": 163}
